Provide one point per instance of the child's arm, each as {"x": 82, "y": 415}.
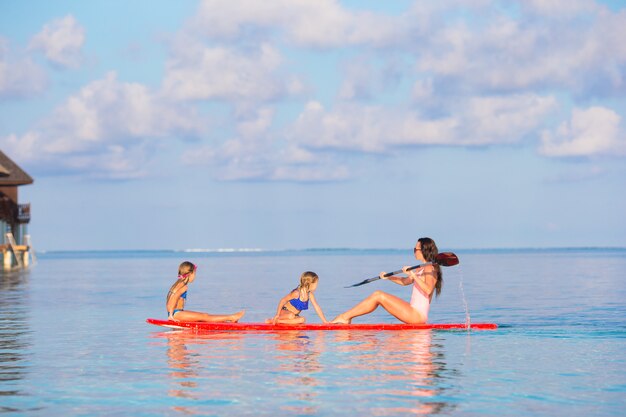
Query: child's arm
{"x": 281, "y": 304}
{"x": 173, "y": 301}
{"x": 318, "y": 309}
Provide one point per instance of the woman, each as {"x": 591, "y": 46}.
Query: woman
{"x": 426, "y": 280}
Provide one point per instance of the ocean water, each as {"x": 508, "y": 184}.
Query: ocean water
{"x": 74, "y": 342}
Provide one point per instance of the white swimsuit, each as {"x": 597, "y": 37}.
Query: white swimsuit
{"x": 420, "y": 301}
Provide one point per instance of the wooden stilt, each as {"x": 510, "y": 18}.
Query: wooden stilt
{"x": 31, "y": 250}
{"x": 12, "y": 245}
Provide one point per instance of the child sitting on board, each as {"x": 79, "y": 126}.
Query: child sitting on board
{"x": 290, "y": 306}
{"x": 177, "y": 295}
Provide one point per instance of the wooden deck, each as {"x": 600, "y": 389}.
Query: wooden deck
{"x": 15, "y": 256}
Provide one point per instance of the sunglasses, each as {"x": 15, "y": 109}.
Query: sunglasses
{"x": 417, "y": 249}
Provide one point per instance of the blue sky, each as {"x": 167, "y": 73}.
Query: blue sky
{"x": 317, "y": 123}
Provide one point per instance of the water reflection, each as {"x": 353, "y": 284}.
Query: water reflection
{"x": 298, "y": 364}
{"x": 404, "y": 371}
{"x": 190, "y": 356}
{"x": 309, "y": 373}
{"x": 183, "y": 364}
{"x": 14, "y": 336}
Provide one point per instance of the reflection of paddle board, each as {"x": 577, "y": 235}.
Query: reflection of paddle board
{"x": 316, "y": 326}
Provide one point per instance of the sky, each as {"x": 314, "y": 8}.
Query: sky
{"x": 283, "y": 124}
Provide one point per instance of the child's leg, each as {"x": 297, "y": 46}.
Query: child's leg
{"x": 286, "y": 317}
{"x": 209, "y": 318}
{"x": 294, "y": 320}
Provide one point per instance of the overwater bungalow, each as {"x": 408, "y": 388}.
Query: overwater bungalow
{"x": 14, "y": 217}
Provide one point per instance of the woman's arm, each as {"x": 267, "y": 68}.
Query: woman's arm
{"x": 426, "y": 280}
{"x": 318, "y": 309}
{"x": 396, "y": 280}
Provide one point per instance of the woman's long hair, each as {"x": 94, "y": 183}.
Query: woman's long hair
{"x": 430, "y": 252}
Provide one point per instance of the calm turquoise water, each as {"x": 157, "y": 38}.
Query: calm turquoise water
{"x": 74, "y": 342}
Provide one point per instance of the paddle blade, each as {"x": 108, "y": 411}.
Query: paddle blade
{"x": 365, "y": 281}
{"x": 447, "y": 259}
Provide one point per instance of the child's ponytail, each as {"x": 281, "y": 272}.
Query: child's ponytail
{"x": 307, "y": 279}
{"x": 184, "y": 270}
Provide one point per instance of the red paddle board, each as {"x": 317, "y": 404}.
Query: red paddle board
{"x": 203, "y": 326}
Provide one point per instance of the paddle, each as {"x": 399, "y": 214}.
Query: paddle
{"x": 443, "y": 259}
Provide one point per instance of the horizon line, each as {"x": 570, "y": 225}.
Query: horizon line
{"x": 328, "y": 249}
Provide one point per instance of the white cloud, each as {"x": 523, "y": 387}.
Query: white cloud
{"x": 311, "y": 149}
{"x": 247, "y": 159}
{"x": 422, "y": 90}
{"x": 474, "y": 121}
{"x": 19, "y": 75}
{"x": 569, "y": 45}
{"x": 349, "y": 127}
{"x": 264, "y": 168}
{"x": 106, "y": 129}
{"x": 502, "y": 119}
{"x": 61, "y": 41}
{"x": 360, "y": 80}
{"x": 315, "y": 23}
{"x": 258, "y": 154}
{"x": 560, "y": 9}
{"x": 596, "y": 131}
{"x": 258, "y": 125}
{"x": 107, "y": 109}
{"x": 453, "y": 74}
{"x": 574, "y": 44}
{"x": 23, "y": 148}
{"x": 197, "y": 72}
{"x": 365, "y": 78}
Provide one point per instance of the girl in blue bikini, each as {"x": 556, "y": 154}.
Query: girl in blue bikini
{"x": 290, "y": 306}
{"x": 176, "y": 297}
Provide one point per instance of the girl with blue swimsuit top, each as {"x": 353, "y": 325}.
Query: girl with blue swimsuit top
{"x": 177, "y": 295}
{"x": 290, "y": 306}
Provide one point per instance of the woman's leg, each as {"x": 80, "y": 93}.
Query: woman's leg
{"x": 210, "y": 318}
{"x": 397, "y": 307}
